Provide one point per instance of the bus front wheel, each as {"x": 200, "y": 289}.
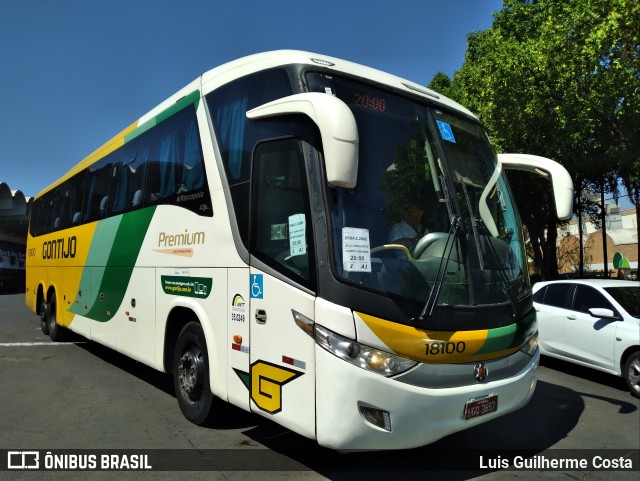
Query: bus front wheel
{"x": 191, "y": 376}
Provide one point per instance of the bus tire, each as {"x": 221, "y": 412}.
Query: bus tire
{"x": 44, "y": 323}
{"x": 632, "y": 373}
{"x": 191, "y": 376}
{"x": 57, "y": 333}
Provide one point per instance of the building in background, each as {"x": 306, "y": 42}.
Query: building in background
{"x": 621, "y": 238}
{"x": 15, "y": 210}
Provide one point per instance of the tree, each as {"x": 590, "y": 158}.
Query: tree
{"x": 624, "y": 61}
{"x": 442, "y": 84}
{"x": 557, "y": 78}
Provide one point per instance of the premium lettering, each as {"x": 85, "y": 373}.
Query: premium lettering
{"x": 178, "y": 240}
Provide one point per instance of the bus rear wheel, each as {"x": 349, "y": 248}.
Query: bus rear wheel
{"x": 57, "y": 333}
{"x": 44, "y": 323}
{"x": 191, "y": 376}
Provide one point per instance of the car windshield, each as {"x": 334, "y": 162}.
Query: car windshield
{"x": 628, "y": 297}
{"x": 431, "y": 213}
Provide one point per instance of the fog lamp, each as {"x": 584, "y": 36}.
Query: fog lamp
{"x": 377, "y": 417}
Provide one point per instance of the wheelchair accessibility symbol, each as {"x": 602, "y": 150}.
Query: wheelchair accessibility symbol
{"x": 445, "y": 131}
{"x": 257, "y": 290}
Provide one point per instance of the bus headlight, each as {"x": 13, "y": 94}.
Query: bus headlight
{"x": 360, "y": 355}
{"x": 532, "y": 344}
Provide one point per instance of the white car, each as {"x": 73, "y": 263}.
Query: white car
{"x": 594, "y": 323}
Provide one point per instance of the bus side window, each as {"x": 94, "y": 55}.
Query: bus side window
{"x": 49, "y": 210}
{"x": 74, "y": 188}
{"x": 65, "y": 211}
{"x": 64, "y": 201}
{"x": 96, "y": 196}
{"x": 34, "y": 221}
{"x": 138, "y": 174}
{"x": 56, "y": 210}
{"x": 45, "y": 223}
{"x": 236, "y": 135}
{"x": 120, "y": 179}
{"x": 127, "y": 183}
{"x": 164, "y": 161}
{"x": 153, "y": 182}
{"x": 281, "y": 233}
{"x": 176, "y": 163}
{"x": 167, "y": 170}
{"x": 193, "y": 171}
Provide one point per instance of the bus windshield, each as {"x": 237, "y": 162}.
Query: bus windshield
{"x": 431, "y": 220}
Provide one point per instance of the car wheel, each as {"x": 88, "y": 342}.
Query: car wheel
{"x": 632, "y": 373}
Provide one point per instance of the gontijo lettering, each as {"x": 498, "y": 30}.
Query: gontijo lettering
{"x": 60, "y": 248}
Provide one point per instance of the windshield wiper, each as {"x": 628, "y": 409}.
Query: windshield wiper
{"x": 474, "y": 225}
{"x": 479, "y": 228}
{"x": 454, "y": 231}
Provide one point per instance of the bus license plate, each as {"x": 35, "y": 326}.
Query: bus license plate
{"x": 479, "y": 407}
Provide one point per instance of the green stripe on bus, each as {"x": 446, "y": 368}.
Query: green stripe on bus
{"x": 508, "y": 337}
{"x": 192, "y": 98}
{"x": 97, "y": 260}
{"x": 123, "y": 253}
{"x": 499, "y": 339}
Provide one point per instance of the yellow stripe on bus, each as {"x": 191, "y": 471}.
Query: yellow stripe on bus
{"x": 67, "y": 251}
{"x": 435, "y": 347}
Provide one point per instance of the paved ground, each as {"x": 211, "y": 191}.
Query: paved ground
{"x": 79, "y": 395}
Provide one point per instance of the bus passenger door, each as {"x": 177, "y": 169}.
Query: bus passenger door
{"x": 282, "y": 276}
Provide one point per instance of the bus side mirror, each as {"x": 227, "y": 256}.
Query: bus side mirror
{"x": 337, "y": 126}
{"x": 560, "y": 178}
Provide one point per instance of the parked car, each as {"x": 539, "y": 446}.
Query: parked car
{"x": 594, "y": 323}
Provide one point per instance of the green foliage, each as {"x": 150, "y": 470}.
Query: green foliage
{"x": 561, "y": 79}
{"x": 442, "y": 84}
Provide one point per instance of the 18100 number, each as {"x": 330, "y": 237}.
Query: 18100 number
{"x": 437, "y": 348}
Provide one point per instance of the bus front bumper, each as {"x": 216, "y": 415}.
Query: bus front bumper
{"x": 416, "y": 416}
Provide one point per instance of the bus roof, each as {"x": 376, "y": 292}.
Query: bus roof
{"x": 229, "y": 71}
{"x": 245, "y": 65}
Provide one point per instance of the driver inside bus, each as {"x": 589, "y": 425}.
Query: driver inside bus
{"x": 409, "y": 230}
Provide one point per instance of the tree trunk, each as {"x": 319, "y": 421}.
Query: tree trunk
{"x": 637, "y": 204}
{"x": 550, "y": 259}
{"x": 580, "y": 234}
{"x": 604, "y": 230}
{"x": 545, "y": 256}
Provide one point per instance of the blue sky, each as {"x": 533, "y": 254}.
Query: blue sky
{"x": 76, "y": 72}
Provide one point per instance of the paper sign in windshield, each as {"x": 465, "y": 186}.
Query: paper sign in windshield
{"x": 356, "y": 250}
{"x": 297, "y": 235}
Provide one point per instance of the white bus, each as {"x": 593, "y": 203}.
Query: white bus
{"x": 324, "y": 244}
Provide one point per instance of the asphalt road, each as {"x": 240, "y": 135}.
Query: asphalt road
{"x": 84, "y": 398}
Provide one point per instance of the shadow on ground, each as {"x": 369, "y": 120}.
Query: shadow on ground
{"x": 552, "y": 413}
